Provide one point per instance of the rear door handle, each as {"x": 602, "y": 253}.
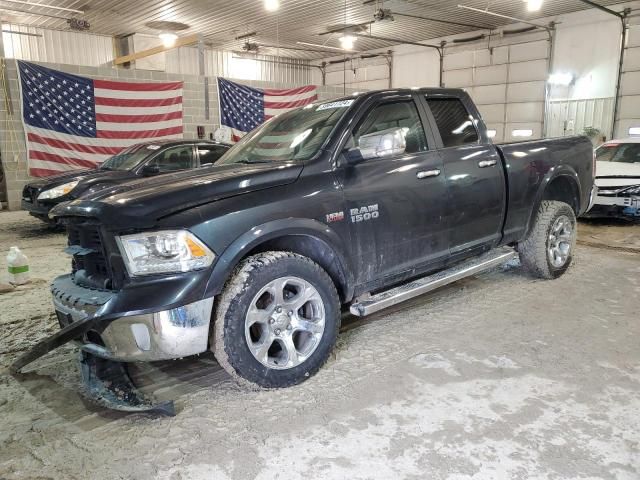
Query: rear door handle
{"x": 487, "y": 163}
{"x": 428, "y": 173}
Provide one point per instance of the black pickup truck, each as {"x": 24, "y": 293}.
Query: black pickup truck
{"x": 363, "y": 201}
{"x": 134, "y": 163}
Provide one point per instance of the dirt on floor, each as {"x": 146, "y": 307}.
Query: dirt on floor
{"x": 497, "y": 376}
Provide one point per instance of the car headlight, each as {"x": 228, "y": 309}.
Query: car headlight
{"x": 164, "y": 251}
{"x": 632, "y": 191}
{"x": 58, "y": 191}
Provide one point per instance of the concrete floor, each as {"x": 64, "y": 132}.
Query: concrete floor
{"x": 499, "y": 376}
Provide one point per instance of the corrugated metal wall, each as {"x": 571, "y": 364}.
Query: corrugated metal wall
{"x": 77, "y": 48}
{"x": 56, "y": 46}
{"x": 571, "y": 117}
{"x": 629, "y": 102}
{"x": 364, "y": 74}
{"x": 233, "y": 65}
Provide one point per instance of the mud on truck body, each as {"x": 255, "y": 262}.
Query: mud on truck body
{"x": 363, "y": 201}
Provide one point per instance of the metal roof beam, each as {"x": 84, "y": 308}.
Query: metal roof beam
{"x": 604, "y": 9}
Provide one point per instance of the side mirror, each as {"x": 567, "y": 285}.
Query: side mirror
{"x": 149, "y": 170}
{"x": 385, "y": 143}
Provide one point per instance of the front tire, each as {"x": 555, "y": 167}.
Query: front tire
{"x": 277, "y": 320}
{"x": 547, "y": 251}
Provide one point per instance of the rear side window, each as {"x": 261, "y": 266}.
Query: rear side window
{"x": 174, "y": 159}
{"x": 453, "y": 121}
{"x": 209, "y": 154}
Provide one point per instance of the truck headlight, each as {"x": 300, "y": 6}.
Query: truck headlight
{"x": 58, "y": 191}
{"x": 164, "y": 251}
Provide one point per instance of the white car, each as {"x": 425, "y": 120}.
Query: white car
{"x": 618, "y": 178}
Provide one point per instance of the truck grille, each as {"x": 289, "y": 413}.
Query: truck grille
{"x": 89, "y": 265}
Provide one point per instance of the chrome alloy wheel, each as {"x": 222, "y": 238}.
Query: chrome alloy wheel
{"x": 284, "y": 323}
{"x": 560, "y": 241}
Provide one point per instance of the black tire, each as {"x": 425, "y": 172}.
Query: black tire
{"x": 534, "y": 250}
{"x": 229, "y": 343}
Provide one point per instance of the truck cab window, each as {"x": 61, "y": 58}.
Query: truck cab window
{"x": 395, "y": 115}
{"x": 453, "y": 121}
{"x": 174, "y": 159}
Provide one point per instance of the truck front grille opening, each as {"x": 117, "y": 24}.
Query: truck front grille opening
{"x": 94, "y": 337}
{"x": 89, "y": 265}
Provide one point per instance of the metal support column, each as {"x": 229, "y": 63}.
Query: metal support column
{"x": 622, "y": 16}
{"x": 202, "y": 73}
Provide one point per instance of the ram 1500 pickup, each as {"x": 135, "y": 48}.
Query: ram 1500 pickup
{"x": 363, "y": 201}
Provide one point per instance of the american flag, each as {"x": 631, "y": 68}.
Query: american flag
{"x": 243, "y": 108}
{"x": 73, "y": 122}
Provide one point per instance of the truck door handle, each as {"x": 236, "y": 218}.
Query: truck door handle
{"x": 487, "y": 163}
{"x": 428, "y": 173}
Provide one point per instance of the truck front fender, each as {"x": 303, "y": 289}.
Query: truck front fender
{"x": 314, "y": 232}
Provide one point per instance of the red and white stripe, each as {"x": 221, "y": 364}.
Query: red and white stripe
{"x": 278, "y": 101}
{"x": 126, "y": 113}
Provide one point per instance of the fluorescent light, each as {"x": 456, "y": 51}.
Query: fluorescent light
{"x": 271, "y": 5}
{"x": 491, "y": 133}
{"x": 564, "y": 79}
{"x": 534, "y": 5}
{"x": 525, "y": 132}
{"x": 168, "y": 39}
{"x": 634, "y": 131}
{"x": 347, "y": 42}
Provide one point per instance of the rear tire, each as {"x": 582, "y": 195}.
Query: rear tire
{"x": 277, "y": 320}
{"x": 548, "y": 249}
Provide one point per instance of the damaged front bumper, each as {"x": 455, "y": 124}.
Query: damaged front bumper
{"x": 107, "y": 338}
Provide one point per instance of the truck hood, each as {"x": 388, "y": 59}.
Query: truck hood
{"x": 88, "y": 178}
{"x": 617, "y": 174}
{"x": 141, "y": 202}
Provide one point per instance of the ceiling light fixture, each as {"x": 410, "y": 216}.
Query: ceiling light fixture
{"x": 347, "y": 42}
{"x": 271, "y": 5}
{"x": 534, "y": 5}
{"x": 168, "y": 39}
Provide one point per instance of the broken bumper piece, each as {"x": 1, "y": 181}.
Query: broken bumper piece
{"x": 108, "y": 384}
{"x": 107, "y": 338}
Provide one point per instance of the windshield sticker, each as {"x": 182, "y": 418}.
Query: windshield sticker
{"x": 326, "y": 106}
{"x": 153, "y": 147}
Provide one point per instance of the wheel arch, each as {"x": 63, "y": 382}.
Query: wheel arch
{"x": 560, "y": 184}
{"x": 306, "y": 237}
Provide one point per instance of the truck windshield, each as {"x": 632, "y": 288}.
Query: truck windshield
{"x": 619, "y": 152}
{"x": 129, "y": 158}
{"x": 296, "y": 135}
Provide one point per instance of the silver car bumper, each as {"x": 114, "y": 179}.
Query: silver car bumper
{"x": 163, "y": 335}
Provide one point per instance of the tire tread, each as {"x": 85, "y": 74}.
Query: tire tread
{"x": 235, "y": 287}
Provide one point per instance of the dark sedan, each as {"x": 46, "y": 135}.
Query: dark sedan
{"x": 140, "y": 160}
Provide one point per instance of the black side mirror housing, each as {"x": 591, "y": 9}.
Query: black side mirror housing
{"x": 149, "y": 170}
{"x": 353, "y": 156}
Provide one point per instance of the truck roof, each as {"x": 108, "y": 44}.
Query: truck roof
{"x": 457, "y": 92}
{"x": 180, "y": 141}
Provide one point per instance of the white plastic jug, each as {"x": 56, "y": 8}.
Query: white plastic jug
{"x": 17, "y": 266}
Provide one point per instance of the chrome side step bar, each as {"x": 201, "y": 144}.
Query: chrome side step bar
{"x": 426, "y": 284}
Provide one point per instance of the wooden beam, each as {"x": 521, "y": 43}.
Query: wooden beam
{"x": 180, "y": 42}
